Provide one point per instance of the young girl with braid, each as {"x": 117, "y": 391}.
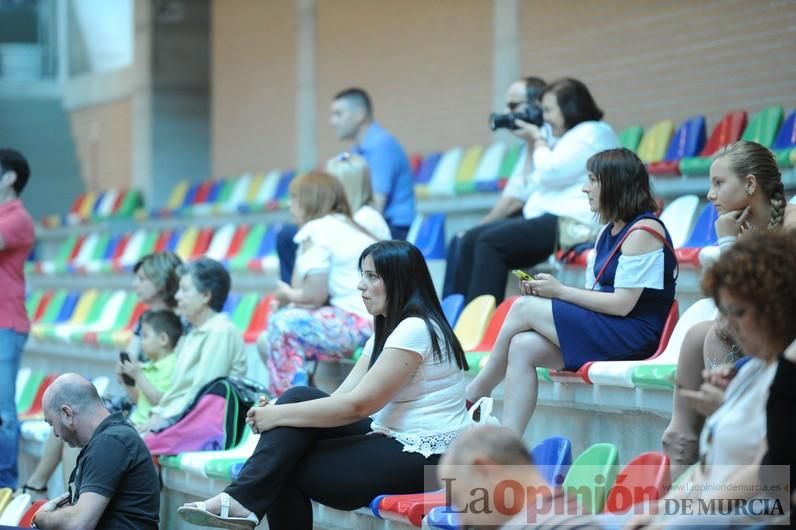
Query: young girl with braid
{"x": 746, "y": 189}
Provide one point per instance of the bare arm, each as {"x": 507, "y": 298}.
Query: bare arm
{"x": 377, "y": 387}
{"x": 314, "y": 291}
{"x": 82, "y": 516}
{"x": 354, "y": 376}
{"x": 618, "y": 303}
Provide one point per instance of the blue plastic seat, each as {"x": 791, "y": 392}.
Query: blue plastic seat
{"x": 174, "y": 240}
{"x": 427, "y": 168}
{"x": 452, "y": 306}
{"x": 554, "y": 456}
{"x": 190, "y": 195}
{"x": 268, "y": 242}
{"x": 97, "y": 203}
{"x": 113, "y": 244}
{"x": 785, "y": 141}
{"x": 281, "y": 191}
{"x": 430, "y": 236}
{"x": 215, "y": 188}
{"x": 68, "y": 307}
{"x": 688, "y": 140}
{"x": 231, "y": 303}
{"x": 703, "y": 235}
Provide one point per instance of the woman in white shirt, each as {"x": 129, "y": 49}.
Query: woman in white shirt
{"x": 322, "y": 314}
{"x": 555, "y": 174}
{"x": 352, "y": 172}
{"x": 620, "y": 315}
{"x": 396, "y": 412}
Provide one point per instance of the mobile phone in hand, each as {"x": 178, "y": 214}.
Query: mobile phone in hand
{"x": 124, "y": 357}
{"x": 522, "y": 275}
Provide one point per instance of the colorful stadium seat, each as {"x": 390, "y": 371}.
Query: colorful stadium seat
{"x": 488, "y": 170}
{"x": 553, "y": 458}
{"x": 621, "y": 373}
{"x": 473, "y": 321}
{"x": 655, "y": 141}
{"x": 688, "y": 140}
{"x": 27, "y": 518}
{"x": 219, "y": 246}
{"x": 645, "y": 478}
{"x": 29, "y": 391}
{"x": 727, "y": 131}
{"x": 479, "y": 355}
{"x": 678, "y": 217}
{"x": 427, "y": 233}
{"x": 630, "y": 137}
{"x": 259, "y": 319}
{"x": 591, "y": 476}
{"x": 177, "y": 197}
{"x": 15, "y": 510}
{"x": 35, "y": 410}
{"x": 583, "y": 374}
{"x": 427, "y": 168}
{"x": 785, "y": 143}
{"x": 442, "y": 181}
{"x": 763, "y": 126}
{"x": 452, "y": 306}
{"x": 463, "y": 181}
{"x": 702, "y": 235}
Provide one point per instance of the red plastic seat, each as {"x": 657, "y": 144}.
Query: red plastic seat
{"x": 237, "y": 241}
{"x": 35, "y": 410}
{"x": 27, "y": 519}
{"x": 163, "y": 240}
{"x": 202, "y": 192}
{"x": 203, "y": 239}
{"x": 645, "y": 478}
{"x": 259, "y": 319}
{"x": 487, "y": 344}
{"x": 116, "y": 262}
{"x": 581, "y": 375}
{"x": 76, "y": 248}
{"x": 409, "y": 508}
{"x": 42, "y": 307}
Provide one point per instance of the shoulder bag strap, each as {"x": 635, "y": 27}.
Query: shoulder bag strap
{"x": 647, "y": 229}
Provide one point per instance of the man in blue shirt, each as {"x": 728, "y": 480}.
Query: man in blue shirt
{"x": 351, "y": 116}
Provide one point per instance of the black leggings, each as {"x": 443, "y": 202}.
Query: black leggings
{"x": 342, "y": 467}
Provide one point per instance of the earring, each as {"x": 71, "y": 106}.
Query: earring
{"x": 749, "y": 192}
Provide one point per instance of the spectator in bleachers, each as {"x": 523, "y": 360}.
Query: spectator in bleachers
{"x": 630, "y": 282}
{"x": 16, "y": 242}
{"x": 519, "y": 96}
{"x": 115, "y": 484}
{"x": 212, "y": 348}
{"x": 487, "y": 458}
{"x": 146, "y": 382}
{"x": 755, "y": 290}
{"x": 397, "y": 411}
{"x": 322, "y": 314}
{"x": 155, "y": 284}
{"x": 555, "y": 176}
{"x": 352, "y": 172}
{"x": 746, "y": 189}
{"x": 351, "y": 117}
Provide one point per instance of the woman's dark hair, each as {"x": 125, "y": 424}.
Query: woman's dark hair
{"x": 160, "y": 268}
{"x": 209, "y": 276}
{"x": 624, "y": 185}
{"x": 575, "y": 101}
{"x": 759, "y": 270}
{"x": 410, "y": 293}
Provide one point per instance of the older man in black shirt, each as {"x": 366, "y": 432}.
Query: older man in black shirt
{"x": 114, "y": 484}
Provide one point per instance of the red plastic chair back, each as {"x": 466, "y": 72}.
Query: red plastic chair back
{"x": 42, "y": 307}
{"x": 727, "y": 131}
{"x": 259, "y": 320}
{"x": 163, "y": 240}
{"x": 237, "y": 241}
{"x": 668, "y": 328}
{"x": 119, "y": 250}
{"x": 202, "y": 192}
{"x": 27, "y": 519}
{"x": 492, "y": 330}
{"x": 203, "y": 239}
{"x": 36, "y": 408}
{"x": 645, "y": 478}
{"x": 137, "y": 312}
{"x": 76, "y": 248}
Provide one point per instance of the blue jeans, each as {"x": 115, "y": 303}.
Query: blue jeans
{"x": 11, "y": 344}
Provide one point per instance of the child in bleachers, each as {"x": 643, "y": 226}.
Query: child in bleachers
{"x": 146, "y": 382}
{"x": 630, "y": 290}
{"x": 747, "y": 191}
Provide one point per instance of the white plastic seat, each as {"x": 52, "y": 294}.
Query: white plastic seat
{"x": 219, "y": 245}
{"x": 238, "y": 195}
{"x": 195, "y": 462}
{"x": 489, "y": 167}
{"x": 620, "y": 373}
{"x": 268, "y": 187}
{"x": 443, "y": 181}
{"x": 132, "y": 252}
{"x": 108, "y": 201}
{"x": 678, "y": 217}
{"x": 15, "y": 510}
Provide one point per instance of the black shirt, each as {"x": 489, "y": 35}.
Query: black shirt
{"x": 116, "y": 464}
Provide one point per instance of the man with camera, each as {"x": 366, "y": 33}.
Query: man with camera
{"x": 522, "y": 102}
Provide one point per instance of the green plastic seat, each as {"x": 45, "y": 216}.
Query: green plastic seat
{"x": 474, "y": 360}
{"x": 131, "y": 201}
{"x": 222, "y": 467}
{"x": 226, "y": 191}
{"x": 592, "y": 475}
{"x": 510, "y": 160}
{"x": 249, "y": 248}
{"x": 244, "y": 310}
{"x": 654, "y": 377}
{"x": 630, "y": 137}
{"x": 105, "y": 338}
{"x": 94, "y": 316}
{"x": 33, "y": 301}
{"x": 763, "y": 126}
{"x": 169, "y": 461}
{"x": 54, "y": 307}
{"x": 28, "y": 394}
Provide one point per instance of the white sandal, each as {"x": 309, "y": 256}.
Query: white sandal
{"x": 197, "y": 513}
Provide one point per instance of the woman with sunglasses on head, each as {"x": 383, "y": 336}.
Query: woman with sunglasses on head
{"x": 630, "y": 289}
{"x": 397, "y": 411}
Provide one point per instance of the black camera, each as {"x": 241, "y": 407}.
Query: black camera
{"x": 531, "y": 114}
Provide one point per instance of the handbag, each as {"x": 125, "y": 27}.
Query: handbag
{"x": 571, "y": 232}
{"x": 481, "y": 412}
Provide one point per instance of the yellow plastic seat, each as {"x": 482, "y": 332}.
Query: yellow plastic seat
{"x": 87, "y": 205}
{"x": 5, "y": 497}
{"x": 177, "y": 196}
{"x": 469, "y": 164}
{"x": 254, "y": 188}
{"x": 186, "y": 243}
{"x": 473, "y": 321}
{"x": 655, "y": 141}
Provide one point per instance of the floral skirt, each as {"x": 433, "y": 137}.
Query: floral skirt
{"x": 296, "y": 335}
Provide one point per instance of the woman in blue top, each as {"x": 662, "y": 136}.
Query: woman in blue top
{"x": 619, "y": 316}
